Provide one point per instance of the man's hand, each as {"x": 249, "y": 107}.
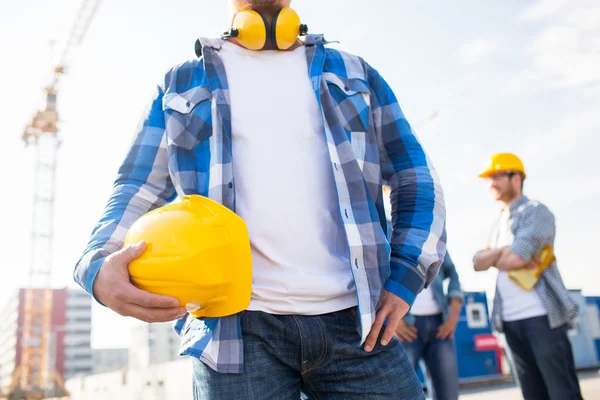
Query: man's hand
{"x": 486, "y": 258}
{"x": 533, "y": 264}
{"x": 446, "y": 330}
{"x": 392, "y": 308}
{"x": 405, "y": 332}
{"x": 113, "y": 288}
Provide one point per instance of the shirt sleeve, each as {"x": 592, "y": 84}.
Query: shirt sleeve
{"x": 143, "y": 183}
{"x": 535, "y": 229}
{"x": 454, "y": 287}
{"x": 418, "y": 210}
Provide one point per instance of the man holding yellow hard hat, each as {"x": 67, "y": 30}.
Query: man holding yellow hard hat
{"x": 278, "y": 148}
{"x": 531, "y": 306}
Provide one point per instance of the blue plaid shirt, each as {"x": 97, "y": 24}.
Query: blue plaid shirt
{"x": 183, "y": 146}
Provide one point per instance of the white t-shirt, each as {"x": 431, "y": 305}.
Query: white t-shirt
{"x": 285, "y": 189}
{"x": 517, "y": 303}
{"x": 425, "y": 304}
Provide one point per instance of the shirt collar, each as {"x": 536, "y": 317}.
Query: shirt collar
{"x": 216, "y": 43}
{"x": 518, "y": 203}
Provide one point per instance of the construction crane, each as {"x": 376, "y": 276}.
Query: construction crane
{"x": 36, "y": 376}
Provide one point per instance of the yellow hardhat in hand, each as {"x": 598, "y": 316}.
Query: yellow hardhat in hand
{"x": 197, "y": 251}
{"x": 502, "y": 162}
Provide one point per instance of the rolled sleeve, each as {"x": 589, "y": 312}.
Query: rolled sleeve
{"x": 418, "y": 240}
{"x": 454, "y": 286}
{"x": 535, "y": 229}
{"x": 404, "y": 282}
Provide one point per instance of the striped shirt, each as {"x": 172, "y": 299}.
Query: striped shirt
{"x": 184, "y": 147}
{"x": 532, "y": 225}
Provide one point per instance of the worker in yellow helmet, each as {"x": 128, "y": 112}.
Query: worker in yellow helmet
{"x": 534, "y": 321}
{"x": 295, "y": 138}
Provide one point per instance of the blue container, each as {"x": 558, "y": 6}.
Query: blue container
{"x": 593, "y": 323}
{"x": 474, "y": 320}
{"x": 581, "y": 335}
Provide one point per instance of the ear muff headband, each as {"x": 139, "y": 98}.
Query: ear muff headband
{"x": 273, "y": 29}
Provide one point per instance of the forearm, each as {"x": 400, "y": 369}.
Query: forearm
{"x": 142, "y": 184}
{"x": 455, "y": 307}
{"x": 418, "y": 211}
{"x": 485, "y": 259}
{"x": 414, "y": 233}
{"x": 448, "y": 270}
{"x": 126, "y": 205}
{"x": 509, "y": 261}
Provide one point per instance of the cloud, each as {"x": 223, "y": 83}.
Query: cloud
{"x": 475, "y": 51}
{"x": 585, "y": 18}
{"x": 541, "y": 10}
{"x": 571, "y": 135}
{"x": 567, "y": 56}
{"x": 565, "y": 53}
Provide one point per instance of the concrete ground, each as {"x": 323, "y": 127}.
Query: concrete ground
{"x": 589, "y": 381}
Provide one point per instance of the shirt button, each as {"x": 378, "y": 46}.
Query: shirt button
{"x": 230, "y": 185}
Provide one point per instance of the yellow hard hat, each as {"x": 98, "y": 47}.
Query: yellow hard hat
{"x": 503, "y": 162}
{"x": 197, "y": 251}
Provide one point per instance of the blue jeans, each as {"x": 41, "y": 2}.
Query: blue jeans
{"x": 543, "y": 359}
{"x": 439, "y": 356}
{"x": 320, "y": 356}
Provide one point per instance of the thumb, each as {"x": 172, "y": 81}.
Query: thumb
{"x": 131, "y": 252}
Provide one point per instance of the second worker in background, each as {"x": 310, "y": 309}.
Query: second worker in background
{"x": 534, "y": 322}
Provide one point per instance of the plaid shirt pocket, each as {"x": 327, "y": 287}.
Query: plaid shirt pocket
{"x": 188, "y": 117}
{"x": 351, "y": 101}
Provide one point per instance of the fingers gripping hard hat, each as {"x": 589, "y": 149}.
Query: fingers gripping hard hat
{"x": 197, "y": 251}
{"x": 502, "y": 162}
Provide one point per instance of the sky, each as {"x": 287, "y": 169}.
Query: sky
{"x": 512, "y": 76}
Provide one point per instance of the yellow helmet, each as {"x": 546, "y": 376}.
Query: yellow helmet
{"x": 197, "y": 251}
{"x": 503, "y": 162}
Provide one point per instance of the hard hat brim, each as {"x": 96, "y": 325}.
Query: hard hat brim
{"x": 487, "y": 173}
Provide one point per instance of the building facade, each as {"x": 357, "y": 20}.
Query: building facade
{"x": 9, "y": 315}
{"x": 106, "y": 360}
{"x": 78, "y": 334}
{"x": 44, "y": 333}
{"x": 153, "y": 344}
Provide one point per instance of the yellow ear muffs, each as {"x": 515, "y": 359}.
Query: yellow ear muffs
{"x": 285, "y": 28}
{"x": 253, "y": 31}
{"x": 250, "y": 28}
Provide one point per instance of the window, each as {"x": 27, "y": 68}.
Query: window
{"x": 78, "y": 357}
{"x": 79, "y": 320}
{"x": 84, "y": 307}
{"x": 476, "y": 315}
{"x": 78, "y": 332}
{"x": 82, "y": 345}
